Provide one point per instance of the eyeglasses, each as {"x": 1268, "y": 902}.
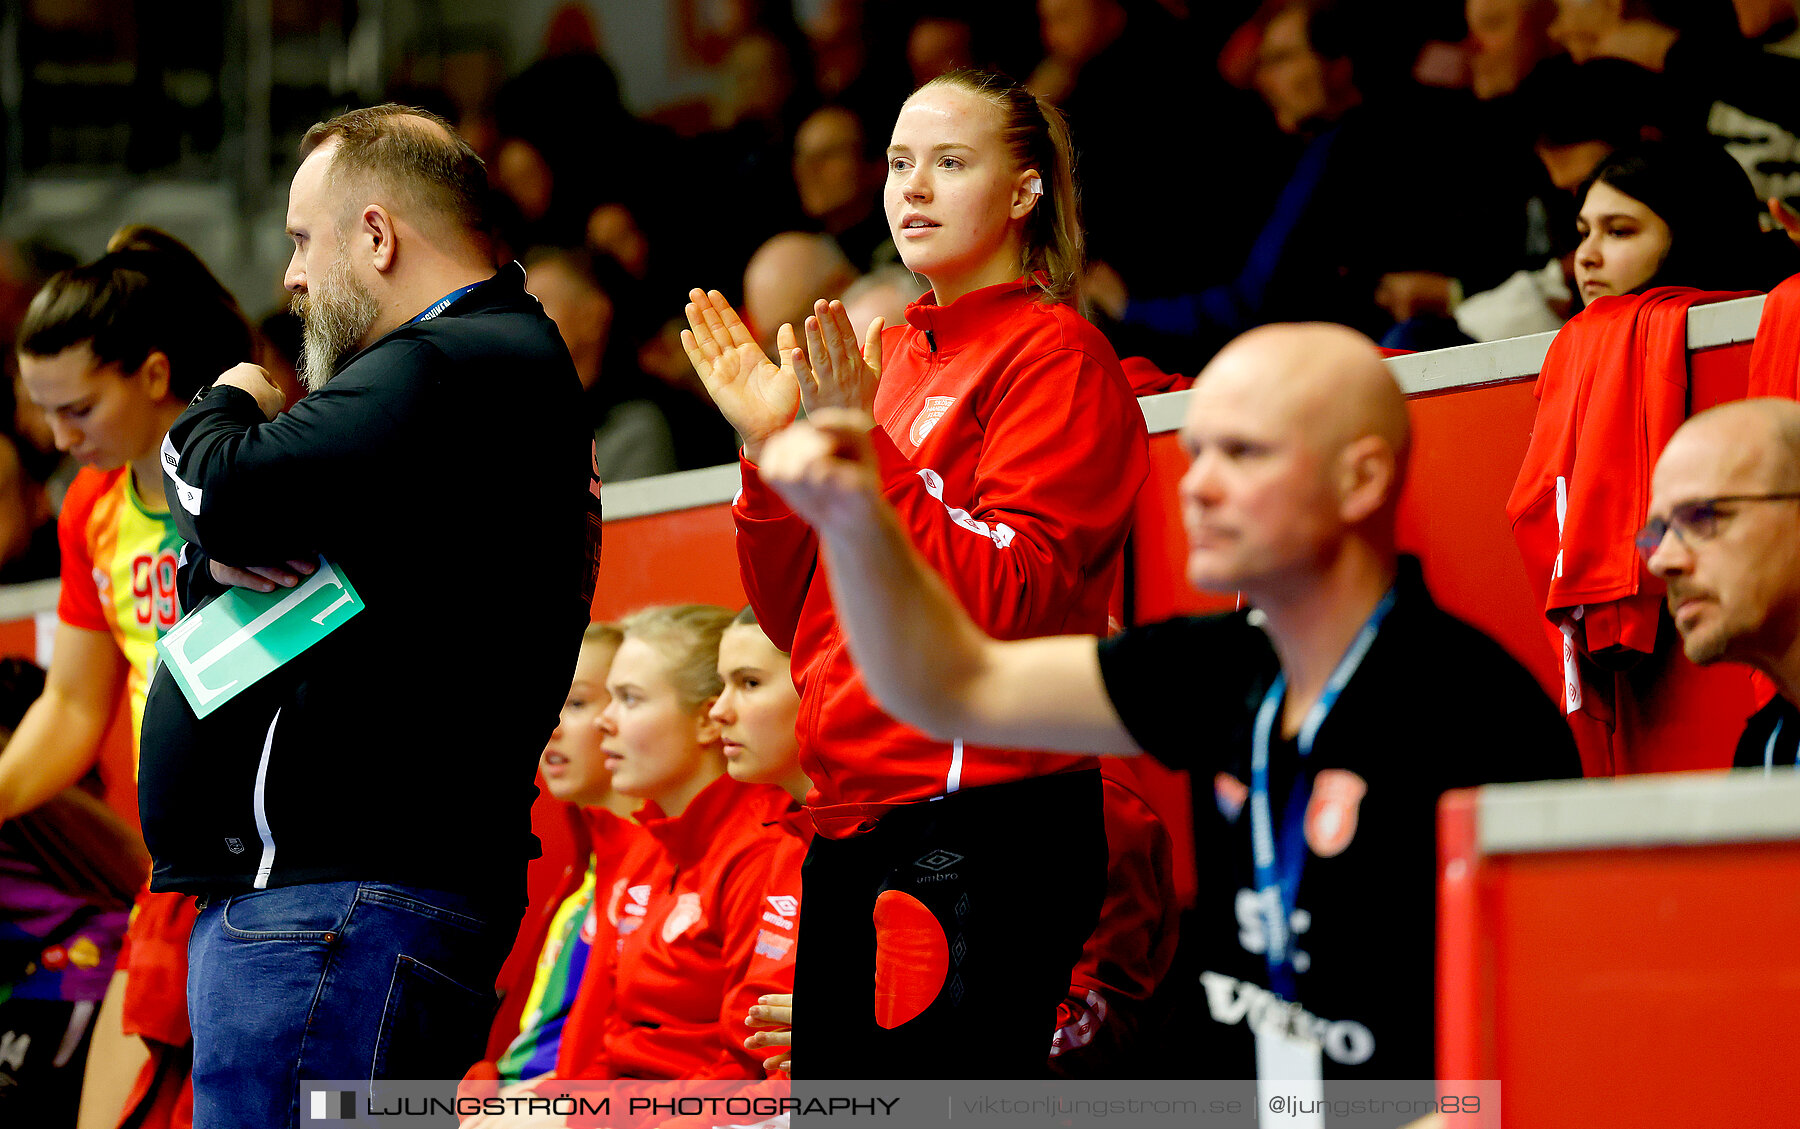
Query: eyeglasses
{"x": 1694, "y": 522}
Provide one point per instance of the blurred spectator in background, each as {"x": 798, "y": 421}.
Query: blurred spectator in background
{"x": 546, "y": 170}
{"x": 1576, "y": 115}
{"x": 838, "y": 171}
{"x": 28, "y": 548}
{"x": 1073, "y": 32}
{"x": 1738, "y": 64}
{"x": 785, "y": 276}
{"x": 631, "y": 434}
{"x": 765, "y": 92}
{"x": 613, "y": 230}
{"x": 1507, "y": 38}
{"x": 840, "y": 53}
{"x": 1357, "y": 205}
{"x": 702, "y": 437}
{"x": 1117, "y": 68}
{"x": 848, "y": 64}
{"x": 937, "y": 45}
{"x": 884, "y": 294}
{"x": 34, "y": 475}
{"x": 1580, "y": 113}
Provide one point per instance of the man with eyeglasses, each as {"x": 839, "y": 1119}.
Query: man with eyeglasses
{"x": 1724, "y": 535}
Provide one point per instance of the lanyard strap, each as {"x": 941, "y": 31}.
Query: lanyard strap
{"x": 443, "y": 303}
{"x": 1278, "y": 873}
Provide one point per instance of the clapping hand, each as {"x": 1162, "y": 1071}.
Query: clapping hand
{"x": 833, "y": 374}
{"x": 757, "y": 396}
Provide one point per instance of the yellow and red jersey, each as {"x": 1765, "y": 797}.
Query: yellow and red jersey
{"x": 118, "y": 572}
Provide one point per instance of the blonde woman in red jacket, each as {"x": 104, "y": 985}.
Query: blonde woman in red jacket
{"x": 959, "y": 882}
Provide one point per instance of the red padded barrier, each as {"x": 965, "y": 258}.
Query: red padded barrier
{"x": 1647, "y": 986}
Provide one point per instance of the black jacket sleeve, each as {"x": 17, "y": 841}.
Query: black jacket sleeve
{"x": 193, "y": 579}
{"x": 252, "y": 491}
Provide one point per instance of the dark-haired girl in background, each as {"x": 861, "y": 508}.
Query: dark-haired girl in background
{"x": 1674, "y": 214}
{"x": 112, "y": 352}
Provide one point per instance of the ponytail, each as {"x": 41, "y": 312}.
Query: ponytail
{"x": 148, "y": 294}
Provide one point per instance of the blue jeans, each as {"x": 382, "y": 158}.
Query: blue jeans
{"x": 336, "y": 980}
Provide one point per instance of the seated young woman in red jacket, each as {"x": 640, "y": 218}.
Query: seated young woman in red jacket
{"x": 1011, "y": 444}
{"x": 675, "y": 965}
{"x": 756, "y": 713}
{"x": 528, "y": 1031}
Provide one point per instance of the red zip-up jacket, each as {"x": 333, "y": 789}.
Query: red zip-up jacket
{"x": 1099, "y": 1023}
{"x": 674, "y": 967}
{"x": 772, "y": 960}
{"x": 1613, "y": 388}
{"x": 1775, "y": 355}
{"x": 1012, "y": 448}
{"x": 600, "y": 839}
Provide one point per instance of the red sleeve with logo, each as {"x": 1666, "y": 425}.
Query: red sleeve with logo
{"x": 760, "y": 960}
{"x": 1036, "y": 518}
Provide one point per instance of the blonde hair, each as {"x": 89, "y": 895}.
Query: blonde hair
{"x": 687, "y": 635}
{"x": 602, "y": 632}
{"x": 1034, "y": 130}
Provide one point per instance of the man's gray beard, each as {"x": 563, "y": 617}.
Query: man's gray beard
{"x": 334, "y": 316}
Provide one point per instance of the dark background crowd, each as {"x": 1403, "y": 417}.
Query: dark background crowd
{"x": 1406, "y": 167}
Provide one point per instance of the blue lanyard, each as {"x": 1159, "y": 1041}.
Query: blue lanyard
{"x": 1278, "y": 874}
{"x": 443, "y": 303}
{"x": 1769, "y": 750}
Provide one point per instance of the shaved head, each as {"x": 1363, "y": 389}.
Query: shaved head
{"x": 786, "y": 276}
{"x": 1299, "y": 436}
{"x": 1763, "y": 433}
{"x": 1730, "y": 550}
{"x": 1327, "y": 380}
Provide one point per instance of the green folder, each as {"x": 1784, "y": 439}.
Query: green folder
{"x": 222, "y": 649}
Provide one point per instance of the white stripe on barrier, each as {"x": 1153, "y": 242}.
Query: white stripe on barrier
{"x": 1467, "y": 366}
